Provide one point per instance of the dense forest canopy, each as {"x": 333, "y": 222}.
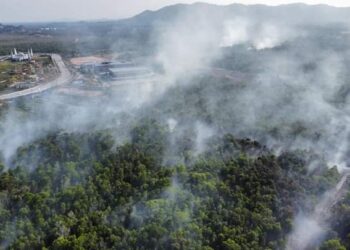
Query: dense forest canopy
{"x": 85, "y": 194}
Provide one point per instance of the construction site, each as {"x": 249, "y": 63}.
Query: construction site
{"x": 94, "y": 76}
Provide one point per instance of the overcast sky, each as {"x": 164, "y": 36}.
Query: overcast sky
{"x": 54, "y": 10}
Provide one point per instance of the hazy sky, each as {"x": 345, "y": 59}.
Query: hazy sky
{"x": 48, "y": 10}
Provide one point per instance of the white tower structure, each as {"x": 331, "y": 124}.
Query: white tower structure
{"x": 20, "y": 56}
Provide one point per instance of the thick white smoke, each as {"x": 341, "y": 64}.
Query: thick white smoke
{"x": 259, "y": 36}
{"x": 55, "y": 112}
{"x": 188, "y": 44}
{"x": 307, "y": 232}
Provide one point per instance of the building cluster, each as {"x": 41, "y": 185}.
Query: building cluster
{"x": 114, "y": 71}
{"x": 20, "y": 56}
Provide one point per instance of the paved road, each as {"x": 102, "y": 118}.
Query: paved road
{"x": 64, "y": 78}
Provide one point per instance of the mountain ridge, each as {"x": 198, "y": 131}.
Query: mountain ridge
{"x": 300, "y": 12}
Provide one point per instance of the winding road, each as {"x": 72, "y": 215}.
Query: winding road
{"x": 64, "y": 78}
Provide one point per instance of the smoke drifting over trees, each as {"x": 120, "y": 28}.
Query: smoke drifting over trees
{"x": 237, "y": 144}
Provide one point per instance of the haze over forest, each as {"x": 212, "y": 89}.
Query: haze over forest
{"x": 195, "y": 126}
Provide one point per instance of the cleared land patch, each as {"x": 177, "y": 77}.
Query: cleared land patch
{"x": 22, "y": 75}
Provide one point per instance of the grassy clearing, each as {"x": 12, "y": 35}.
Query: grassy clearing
{"x": 7, "y": 74}
{"x": 13, "y": 72}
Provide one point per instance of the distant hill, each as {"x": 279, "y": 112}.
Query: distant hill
{"x": 10, "y": 28}
{"x": 295, "y": 13}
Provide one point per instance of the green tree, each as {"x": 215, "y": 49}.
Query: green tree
{"x": 333, "y": 244}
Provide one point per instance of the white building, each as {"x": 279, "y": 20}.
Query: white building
{"x": 19, "y": 57}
